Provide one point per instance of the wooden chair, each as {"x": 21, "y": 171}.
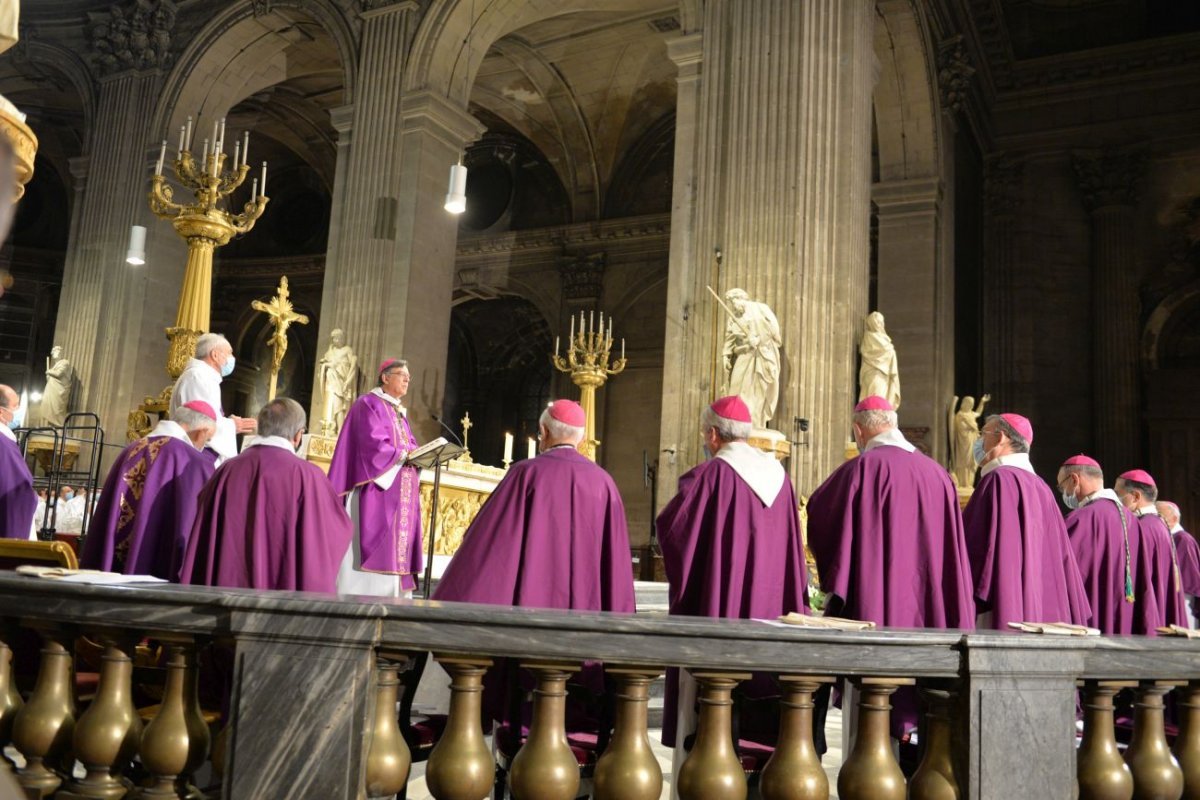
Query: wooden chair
{"x": 19, "y": 552}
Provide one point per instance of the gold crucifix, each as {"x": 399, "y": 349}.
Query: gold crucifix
{"x": 466, "y": 429}
{"x": 281, "y": 316}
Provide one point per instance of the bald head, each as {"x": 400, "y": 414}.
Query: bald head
{"x": 9, "y": 399}
{"x": 1168, "y": 511}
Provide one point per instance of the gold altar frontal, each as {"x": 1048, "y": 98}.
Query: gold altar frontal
{"x": 465, "y": 486}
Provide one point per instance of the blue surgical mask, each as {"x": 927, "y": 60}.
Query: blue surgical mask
{"x": 68, "y": 496}
{"x": 18, "y": 418}
{"x": 977, "y": 451}
{"x": 227, "y": 367}
{"x": 1070, "y": 501}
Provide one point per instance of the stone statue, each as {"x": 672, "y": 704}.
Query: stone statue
{"x": 56, "y": 397}
{"x": 879, "y": 374}
{"x": 751, "y": 355}
{"x": 964, "y": 430}
{"x": 339, "y": 378}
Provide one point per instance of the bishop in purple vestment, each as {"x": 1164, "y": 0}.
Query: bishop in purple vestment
{"x": 731, "y": 540}
{"x": 1187, "y": 550}
{"x": 18, "y": 501}
{"x": 1107, "y": 543}
{"x": 146, "y": 511}
{"x": 1021, "y": 560}
{"x": 381, "y": 493}
{"x": 268, "y": 519}
{"x": 1138, "y": 491}
{"x": 887, "y": 534}
{"x": 552, "y": 535}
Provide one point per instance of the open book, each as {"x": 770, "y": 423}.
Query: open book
{"x": 426, "y": 449}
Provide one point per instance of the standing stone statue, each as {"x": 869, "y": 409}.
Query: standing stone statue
{"x": 879, "y": 374}
{"x": 964, "y": 430}
{"x": 56, "y": 398}
{"x": 751, "y": 355}
{"x": 339, "y": 379}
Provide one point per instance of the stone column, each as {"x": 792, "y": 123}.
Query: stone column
{"x": 1002, "y": 369}
{"x": 773, "y": 169}
{"x": 389, "y": 269}
{"x": 1108, "y": 183}
{"x": 917, "y": 304}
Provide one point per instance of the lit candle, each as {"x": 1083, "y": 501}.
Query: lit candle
{"x": 182, "y": 137}
{"x": 532, "y": 447}
{"x": 188, "y": 138}
{"x": 162, "y": 156}
{"x": 508, "y": 445}
{"x": 264, "y": 180}
{"x": 246, "y": 148}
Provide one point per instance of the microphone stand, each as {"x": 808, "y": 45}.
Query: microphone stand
{"x": 448, "y": 430}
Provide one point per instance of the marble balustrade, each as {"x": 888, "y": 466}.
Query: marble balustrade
{"x": 314, "y": 682}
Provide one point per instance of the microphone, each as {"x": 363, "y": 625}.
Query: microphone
{"x": 447, "y": 429}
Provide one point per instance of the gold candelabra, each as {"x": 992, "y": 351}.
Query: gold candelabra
{"x": 588, "y": 363}
{"x": 205, "y": 225}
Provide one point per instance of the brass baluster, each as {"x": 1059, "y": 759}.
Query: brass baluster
{"x": 388, "y": 758}
{"x": 628, "y": 769}
{"x": 173, "y": 746}
{"x": 461, "y": 766}
{"x": 712, "y": 770}
{"x": 43, "y": 727}
{"x": 1102, "y": 772}
{"x": 1156, "y": 773}
{"x": 545, "y": 768}
{"x": 10, "y": 702}
{"x": 934, "y": 778}
{"x": 109, "y": 732}
{"x": 794, "y": 771}
{"x": 1187, "y": 743}
{"x": 871, "y": 771}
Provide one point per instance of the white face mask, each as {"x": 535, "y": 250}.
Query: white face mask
{"x": 1070, "y": 500}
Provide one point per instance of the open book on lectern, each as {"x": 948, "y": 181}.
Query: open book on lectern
{"x": 439, "y": 451}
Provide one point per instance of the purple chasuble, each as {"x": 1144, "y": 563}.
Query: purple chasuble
{"x": 267, "y": 520}
{"x": 374, "y": 438}
{"x": 1158, "y": 554}
{"x": 1108, "y": 558}
{"x": 552, "y": 535}
{"x": 1188, "y": 552}
{"x": 887, "y": 534}
{"x": 146, "y": 511}
{"x": 728, "y": 555}
{"x": 18, "y": 501}
{"x": 1021, "y": 560}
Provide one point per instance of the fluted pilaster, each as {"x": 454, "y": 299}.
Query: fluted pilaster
{"x": 1001, "y": 367}
{"x": 1108, "y": 182}
{"x": 778, "y": 164}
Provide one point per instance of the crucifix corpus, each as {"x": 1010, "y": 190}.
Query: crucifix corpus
{"x": 281, "y": 315}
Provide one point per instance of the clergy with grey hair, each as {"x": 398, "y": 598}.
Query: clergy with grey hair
{"x": 268, "y": 519}
{"x": 201, "y": 380}
{"x": 552, "y": 535}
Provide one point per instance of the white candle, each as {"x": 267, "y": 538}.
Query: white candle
{"x": 264, "y": 180}
{"x": 254, "y": 189}
{"x": 237, "y": 151}
{"x": 207, "y": 155}
{"x": 246, "y": 148}
{"x": 182, "y": 140}
{"x": 601, "y": 324}
{"x": 571, "y": 340}
{"x": 188, "y": 138}
{"x": 216, "y": 134}
{"x": 532, "y": 447}
{"x": 556, "y": 345}
{"x": 591, "y": 321}
{"x": 221, "y": 147}
{"x": 622, "y": 348}
{"x": 162, "y": 156}
{"x": 508, "y": 445}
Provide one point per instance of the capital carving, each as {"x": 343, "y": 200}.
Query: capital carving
{"x": 1002, "y": 183}
{"x": 954, "y": 74}
{"x": 133, "y": 35}
{"x": 261, "y": 7}
{"x": 1109, "y": 178}
{"x": 582, "y": 276}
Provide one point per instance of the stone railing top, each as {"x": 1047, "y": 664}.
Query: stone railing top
{"x": 614, "y": 638}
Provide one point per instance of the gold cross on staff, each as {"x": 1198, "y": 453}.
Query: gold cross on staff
{"x": 466, "y": 426}
{"x": 281, "y": 316}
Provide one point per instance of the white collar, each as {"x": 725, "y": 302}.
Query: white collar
{"x": 1102, "y": 494}
{"x": 174, "y": 430}
{"x": 1018, "y": 460}
{"x": 761, "y": 472}
{"x": 207, "y": 373}
{"x": 892, "y": 437}
{"x": 1177, "y": 528}
{"x": 1147, "y": 511}
{"x": 271, "y": 441}
{"x": 395, "y": 401}
{"x": 7, "y": 433}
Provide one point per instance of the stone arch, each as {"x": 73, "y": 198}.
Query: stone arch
{"x": 905, "y": 103}
{"x": 72, "y": 67}
{"x": 1165, "y": 319}
{"x": 222, "y": 48}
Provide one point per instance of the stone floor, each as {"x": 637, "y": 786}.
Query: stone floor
{"x": 833, "y": 759}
